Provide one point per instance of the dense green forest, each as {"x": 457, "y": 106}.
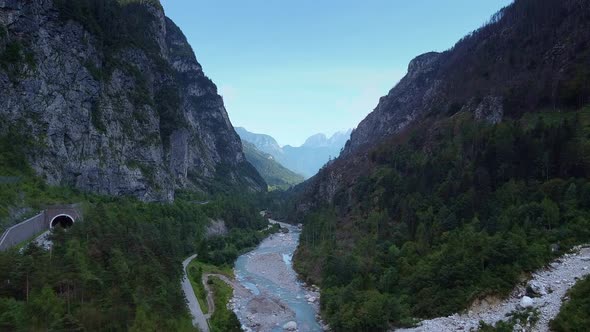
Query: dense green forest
{"x": 452, "y": 210}
{"x": 120, "y": 268}
{"x": 575, "y": 314}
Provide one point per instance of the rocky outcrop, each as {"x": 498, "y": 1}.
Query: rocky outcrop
{"x": 531, "y": 55}
{"x": 417, "y": 91}
{"x": 135, "y": 118}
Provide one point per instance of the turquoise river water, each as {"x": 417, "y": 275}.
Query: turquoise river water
{"x": 276, "y": 297}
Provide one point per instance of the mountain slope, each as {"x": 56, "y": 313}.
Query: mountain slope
{"x": 529, "y": 56}
{"x": 461, "y": 179}
{"x": 264, "y": 143}
{"x": 306, "y": 159}
{"x": 338, "y": 140}
{"x": 112, "y": 100}
{"x": 275, "y": 174}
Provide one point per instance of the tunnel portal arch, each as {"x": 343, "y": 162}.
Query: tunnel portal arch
{"x": 63, "y": 220}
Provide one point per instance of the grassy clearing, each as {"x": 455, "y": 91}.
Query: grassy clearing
{"x": 195, "y": 273}
{"x": 225, "y": 270}
{"x": 196, "y": 269}
{"x": 223, "y": 319}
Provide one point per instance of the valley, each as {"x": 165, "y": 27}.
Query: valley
{"x": 460, "y": 201}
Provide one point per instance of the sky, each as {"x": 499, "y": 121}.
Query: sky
{"x": 294, "y": 68}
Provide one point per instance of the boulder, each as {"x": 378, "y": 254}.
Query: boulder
{"x": 526, "y": 302}
{"x": 536, "y": 288}
{"x": 290, "y": 326}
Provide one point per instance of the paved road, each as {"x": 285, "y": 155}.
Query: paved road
{"x": 199, "y": 319}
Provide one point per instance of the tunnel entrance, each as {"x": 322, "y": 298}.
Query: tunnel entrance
{"x": 63, "y": 221}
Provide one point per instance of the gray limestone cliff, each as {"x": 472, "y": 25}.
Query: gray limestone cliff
{"x": 122, "y": 112}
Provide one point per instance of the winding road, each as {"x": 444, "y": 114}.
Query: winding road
{"x": 199, "y": 319}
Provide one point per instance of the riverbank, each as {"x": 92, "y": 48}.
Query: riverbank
{"x": 547, "y": 288}
{"x": 277, "y": 300}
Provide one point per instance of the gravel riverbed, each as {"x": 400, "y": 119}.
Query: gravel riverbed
{"x": 550, "y": 286}
{"x": 275, "y": 299}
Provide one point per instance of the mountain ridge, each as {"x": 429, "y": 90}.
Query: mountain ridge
{"x": 306, "y": 159}
{"x": 276, "y": 175}
{"x": 551, "y": 72}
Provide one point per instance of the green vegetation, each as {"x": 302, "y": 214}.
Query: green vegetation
{"x": 119, "y": 269}
{"x": 115, "y": 23}
{"x": 575, "y": 314}
{"x": 196, "y": 269}
{"x": 195, "y": 275}
{"x": 118, "y": 24}
{"x": 223, "y": 319}
{"x": 28, "y": 192}
{"x": 526, "y": 317}
{"x": 15, "y": 58}
{"x": 276, "y": 175}
{"x": 452, "y": 210}
{"x": 226, "y": 270}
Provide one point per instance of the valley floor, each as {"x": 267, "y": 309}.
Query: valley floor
{"x": 557, "y": 279}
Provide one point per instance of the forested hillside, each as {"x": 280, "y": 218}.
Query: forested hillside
{"x": 276, "y": 175}
{"x": 104, "y": 104}
{"x": 462, "y": 180}
{"x": 118, "y": 269}
{"x": 452, "y": 210}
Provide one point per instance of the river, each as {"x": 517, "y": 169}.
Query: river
{"x": 276, "y": 300}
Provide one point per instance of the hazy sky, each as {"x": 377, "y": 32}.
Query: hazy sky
{"x": 293, "y": 68}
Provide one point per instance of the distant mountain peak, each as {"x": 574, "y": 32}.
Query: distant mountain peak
{"x": 264, "y": 143}
{"x": 321, "y": 140}
{"x": 316, "y": 140}
{"x": 306, "y": 159}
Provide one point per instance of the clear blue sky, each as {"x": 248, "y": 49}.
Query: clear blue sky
{"x": 291, "y": 69}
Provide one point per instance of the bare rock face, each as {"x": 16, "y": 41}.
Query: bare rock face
{"x": 139, "y": 118}
{"x": 412, "y": 96}
{"x": 490, "y": 109}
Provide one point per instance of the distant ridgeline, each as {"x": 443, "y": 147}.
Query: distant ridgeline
{"x": 461, "y": 179}
{"x": 275, "y": 174}
{"x": 306, "y": 159}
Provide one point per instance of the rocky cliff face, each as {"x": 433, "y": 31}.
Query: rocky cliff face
{"x": 126, "y": 111}
{"x": 531, "y": 55}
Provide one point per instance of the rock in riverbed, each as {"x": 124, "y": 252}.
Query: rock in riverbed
{"x": 536, "y": 288}
{"x": 526, "y": 302}
{"x": 290, "y": 326}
